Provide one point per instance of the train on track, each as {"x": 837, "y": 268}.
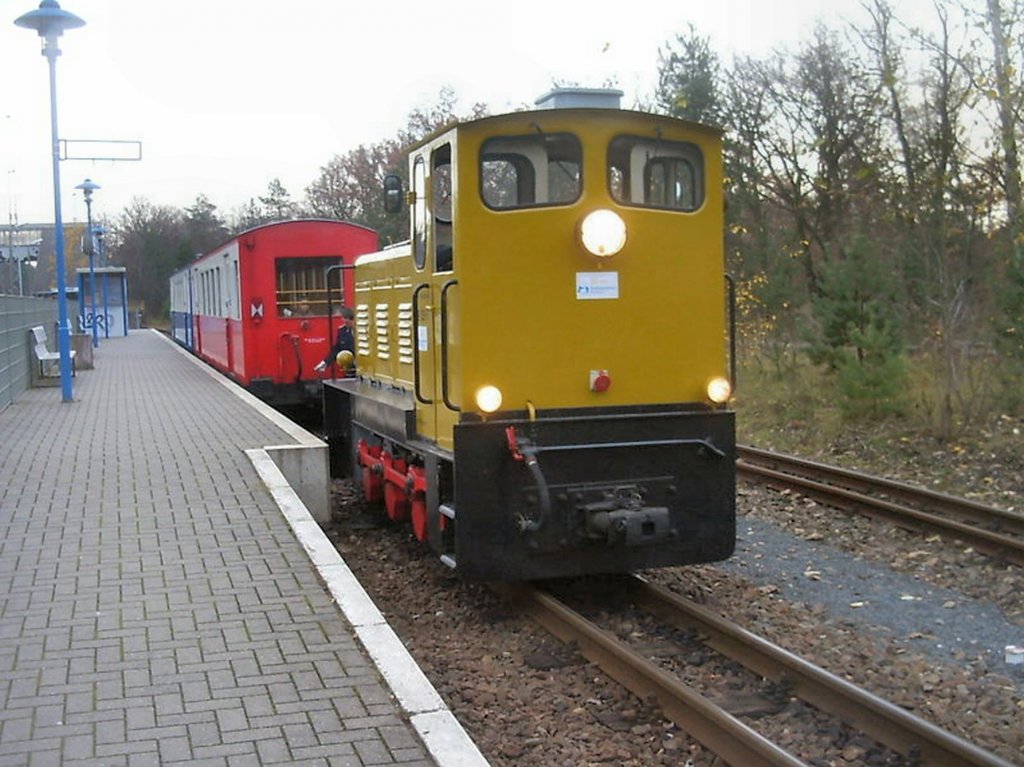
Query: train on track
{"x": 545, "y": 369}
{"x": 259, "y": 307}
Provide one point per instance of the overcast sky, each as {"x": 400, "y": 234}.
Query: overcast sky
{"x": 225, "y": 95}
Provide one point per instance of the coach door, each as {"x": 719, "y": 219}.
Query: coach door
{"x": 228, "y": 307}
{"x": 195, "y": 303}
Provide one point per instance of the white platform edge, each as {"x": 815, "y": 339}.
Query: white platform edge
{"x": 442, "y": 734}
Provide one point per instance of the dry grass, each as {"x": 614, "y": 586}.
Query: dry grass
{"x": 793, "y": 409}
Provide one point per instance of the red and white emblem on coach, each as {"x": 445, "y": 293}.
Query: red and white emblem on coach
{"x": 256, "y": 309}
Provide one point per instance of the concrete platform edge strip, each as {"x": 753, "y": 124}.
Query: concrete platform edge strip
{"x": 442, "y": 734}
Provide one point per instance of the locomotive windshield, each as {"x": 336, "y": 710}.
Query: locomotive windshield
{"x": 530, "y": 171}
{"x": 545, "y": 169}
{"x": 656, "y": 173}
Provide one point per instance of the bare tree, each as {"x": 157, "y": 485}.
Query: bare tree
{"x": 151, "y": 241}
{"x": 349, "y": 188}
{"x": 900, "y": 139}
{"x": 956, "y": 203}
{"x": 880, "y": 41}
{"x": 1008, "y": 92}
{"x": 810, "y": 132}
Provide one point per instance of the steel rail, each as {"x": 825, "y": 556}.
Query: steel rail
{"x": 881, "y": 720}
{"x": 721, "y": 732}
{"x": 920, "y": 497}
{"x": 998, "y": 544}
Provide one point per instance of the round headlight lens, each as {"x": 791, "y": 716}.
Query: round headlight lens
{"x": 603, "y": 233}
{"x": 488, "y": 398}
{"x": 719, "y": 390}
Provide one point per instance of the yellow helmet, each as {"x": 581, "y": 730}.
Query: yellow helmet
{"x": 345, "y": 359}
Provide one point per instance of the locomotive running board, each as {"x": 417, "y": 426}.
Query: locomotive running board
{"x": 388, "y": 412}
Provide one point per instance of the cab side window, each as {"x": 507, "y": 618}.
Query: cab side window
{"x": 441, "y": 207}
{"x": 419, "y": 213}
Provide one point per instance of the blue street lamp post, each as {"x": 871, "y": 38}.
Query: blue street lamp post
{"x": 88, "y": 187}
{"x": 50, "y": 21}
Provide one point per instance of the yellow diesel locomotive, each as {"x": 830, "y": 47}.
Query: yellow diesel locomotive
{"x": 544, "y": 370}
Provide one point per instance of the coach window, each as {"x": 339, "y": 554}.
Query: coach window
{"x": 530, "y": 171}
{"x": 303, "y": 285}
{"x": 441, "y": 207}
{"x": 419, "y": 213}
{"x": 655, "y": 173}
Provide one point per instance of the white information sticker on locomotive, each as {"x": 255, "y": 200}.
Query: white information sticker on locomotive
{"x": 422, "y": 336}
{"x": 597, "y": 285}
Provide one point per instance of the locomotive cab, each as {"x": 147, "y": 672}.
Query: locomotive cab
{"x": 543, "y": 368}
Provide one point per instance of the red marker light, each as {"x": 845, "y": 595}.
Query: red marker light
{"x": 600, "y": 380}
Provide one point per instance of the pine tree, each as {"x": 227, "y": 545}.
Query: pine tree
{"x": 858, "y": 332}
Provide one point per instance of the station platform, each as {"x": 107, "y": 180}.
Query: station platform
{"x": 166, "y": 596}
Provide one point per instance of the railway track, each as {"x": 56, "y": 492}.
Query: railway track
{"x": 994, "y": 531}
{"x": 922, "y": 743}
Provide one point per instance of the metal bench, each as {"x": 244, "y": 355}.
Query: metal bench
{"x": 45, "y": 356}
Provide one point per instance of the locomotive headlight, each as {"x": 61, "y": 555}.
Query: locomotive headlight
{"x": 488, "y": 398}
{"x": 603, "y": 233}
{"x": 719, "y": 390}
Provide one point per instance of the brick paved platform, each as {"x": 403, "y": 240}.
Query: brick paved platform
{"x": 165, "y": 598}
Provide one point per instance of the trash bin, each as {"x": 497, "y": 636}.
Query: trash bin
{"x": 81, "y": 344}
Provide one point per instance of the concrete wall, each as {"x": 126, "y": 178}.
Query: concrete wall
{"x": 307, "y": 469}
{"x": 17, "y": 315}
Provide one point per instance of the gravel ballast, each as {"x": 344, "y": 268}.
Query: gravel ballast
{"x": 943, "y": 622}
{"x": 921, "y": 622}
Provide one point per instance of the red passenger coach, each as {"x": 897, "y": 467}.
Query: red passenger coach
{"x": 256, "y": 308}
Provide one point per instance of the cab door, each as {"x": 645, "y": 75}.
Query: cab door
{"x": 435, "y": 299}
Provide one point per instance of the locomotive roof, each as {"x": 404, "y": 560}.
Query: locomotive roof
{"x": 580, "y": 112}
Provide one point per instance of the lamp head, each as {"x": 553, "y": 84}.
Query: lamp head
{"x": 88, "y": 187}
{"x": 49, "y": 20}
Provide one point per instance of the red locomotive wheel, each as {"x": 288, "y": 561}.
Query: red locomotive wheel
{"x": 419, "y": 519}
{"x": 396, "y": 502}
{"x": 371, "y": 486}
